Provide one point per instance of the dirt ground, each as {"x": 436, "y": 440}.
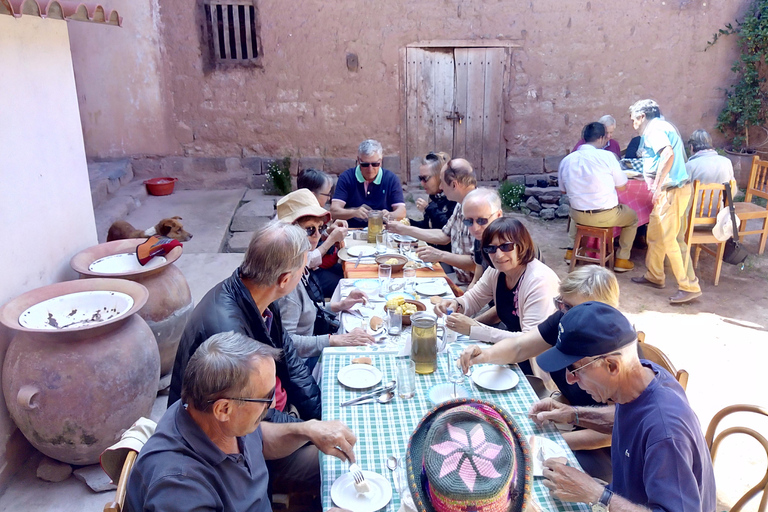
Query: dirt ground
{"x": 721, "y": 339}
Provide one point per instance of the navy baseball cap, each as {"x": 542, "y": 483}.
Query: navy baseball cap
{"x": 589, "y": 329}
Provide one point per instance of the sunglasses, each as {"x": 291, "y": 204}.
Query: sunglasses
{"x": 424, "y": 179}
{"x": 505, "y": 247}
{"x": 267, "y": 400}
{"x": 573, "y": 371}
{"x": 561, "y": 305}
{"x": 311, "y": 230}
{"x": 369, "y": 164}
{"x": 432, "y": 156}
{"x": 480, "y": 221}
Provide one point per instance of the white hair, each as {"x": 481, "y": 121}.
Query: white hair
{"x": 370, "y": 148}
{"x": 484, "y": 194}
{"x": 607, "y": 120}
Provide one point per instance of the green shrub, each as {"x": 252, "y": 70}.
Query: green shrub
{"x": 279, "y": 177}
{"x": 512, "y": 195}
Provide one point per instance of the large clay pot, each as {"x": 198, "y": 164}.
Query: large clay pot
{"x": 170, "y": 301}
{"x": 72, "y": 391}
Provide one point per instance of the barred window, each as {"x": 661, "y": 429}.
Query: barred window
{"x": 232, "y": 31}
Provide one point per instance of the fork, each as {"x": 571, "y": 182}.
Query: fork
{"x": 357, "y": 474}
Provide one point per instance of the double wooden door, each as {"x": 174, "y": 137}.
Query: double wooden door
{"x": 455, "y": 103}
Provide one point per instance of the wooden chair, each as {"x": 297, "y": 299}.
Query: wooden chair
{"x": 122, "y": 484}
{"x": 655, "y": 355}
{"x": 714, "y": 441}
{"x": 757, "y": 187}
{"x": 706, "y": 201}
{"x": 605, "y": 246}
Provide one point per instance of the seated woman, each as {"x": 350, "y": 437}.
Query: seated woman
{"x": 311, "y": 327}
{"x": 610, "y": 125}
{"x": 323, "y": 261}
{"x": 521, "y": 286}
{"x": 587, "y": 283}
{"x": 439, "y": 209}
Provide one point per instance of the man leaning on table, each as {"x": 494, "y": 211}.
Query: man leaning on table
{"x": 210, "y": 449}
{"x": 659, "y": 457}
{"x": 367, "y": 186}
{"x": 591, "y": 176}
{"x": 457, "y": 179}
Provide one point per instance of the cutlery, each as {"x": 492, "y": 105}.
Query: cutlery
{"x": 359, "y": 257}
{"x": 361, "y": 486}
{"x": 384, "y": 398}
{"x": 381, "y": 389}
{"x": 392, "y": 463}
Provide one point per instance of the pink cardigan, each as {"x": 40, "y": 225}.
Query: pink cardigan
{"x": 537, "y": 288}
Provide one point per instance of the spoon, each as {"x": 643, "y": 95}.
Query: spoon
{"x": 384, "y": 398}
{"x": 392, "y": 463}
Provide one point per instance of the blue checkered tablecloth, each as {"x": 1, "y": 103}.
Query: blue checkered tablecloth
{"x": 384, "y": 430}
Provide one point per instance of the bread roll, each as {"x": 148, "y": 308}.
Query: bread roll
{"x": 435, "y": 299}
{"x": 376, "y": 323}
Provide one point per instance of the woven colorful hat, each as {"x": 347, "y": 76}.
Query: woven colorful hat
{"x": 468, "y": 455}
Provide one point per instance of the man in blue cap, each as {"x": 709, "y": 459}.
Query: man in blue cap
{"x": 659, "y": 457}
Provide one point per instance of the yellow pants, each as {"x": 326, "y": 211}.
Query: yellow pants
{"x": 620, "y": 216}
{"x": 665, "y": 237}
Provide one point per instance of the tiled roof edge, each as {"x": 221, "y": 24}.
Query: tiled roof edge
{"x": 61, "y": 10}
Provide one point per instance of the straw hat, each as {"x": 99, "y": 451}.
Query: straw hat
{"x": 468, "y": 454}
{"x": 300, "y": 203}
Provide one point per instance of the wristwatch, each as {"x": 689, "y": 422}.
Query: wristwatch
{"x": 602, "y": 505}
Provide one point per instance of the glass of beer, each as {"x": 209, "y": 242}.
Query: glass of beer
{"x": 375, "y": 225}
{"x": 424, "y": 345}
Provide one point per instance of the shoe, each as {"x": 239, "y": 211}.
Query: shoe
{"x": 568, "y": 255}
{"x": 621, "y": 265}
{"x": 643, "y": 280}
{"x": 682, "y": 297}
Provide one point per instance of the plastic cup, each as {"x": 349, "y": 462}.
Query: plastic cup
{"x": 406, "y": 378}
{"x": 385, "y": 274}
{"x": 395, "y": 327}
{"x": 381, "y": 242}
{"x": 410, "y": 275}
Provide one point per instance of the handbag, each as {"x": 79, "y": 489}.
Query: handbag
{"x": 326, "y": 322}
{"x": 734, "y": 253}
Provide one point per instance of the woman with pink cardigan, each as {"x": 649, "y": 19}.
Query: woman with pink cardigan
{"x": 522, "y": 287}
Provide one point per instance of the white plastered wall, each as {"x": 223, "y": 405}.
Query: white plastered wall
{"x": 46, "y": 214}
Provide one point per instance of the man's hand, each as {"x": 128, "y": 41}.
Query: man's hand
{"x": 355, "y": 297}
{"x": 569, "y": 484}
{"x": 421, "y": 204}
{"x": 353, "y": 338}
{"x": 443, "y": 307}
{"x": 470, "y": 356}
{"x": 429, "y": 254}
{"x": 332, "y": 438}
{"x": 361, "y": 212}
{"x": 460, "y": 323}
{"x": 395, "y": 226}
{"x": 338, "y": 235}
{"x": 549, "y": 411}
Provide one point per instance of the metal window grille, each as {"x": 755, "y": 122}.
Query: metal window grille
{"x": 232, "y": 31}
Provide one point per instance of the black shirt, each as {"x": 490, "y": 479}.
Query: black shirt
{"x": 436, "y": 215}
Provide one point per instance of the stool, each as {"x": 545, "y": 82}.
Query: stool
{"x": 604, "y": 241}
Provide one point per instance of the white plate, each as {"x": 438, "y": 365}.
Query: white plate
{"x": 550, "y": 449}
{"x": 367, "y": 285}
{"x": 75, "y": 310}
{"x": 350, "y": 322}
{"x": 438, "y": 287}
{"x": 495, "y": 378}
{"x": 403, "y": 238}
{"x": 357, "y": 250}
{"x": 359, "y": 376}
{"x": 123, "y": 263}
{"x": 443, "y": 392}
{"x": 344, "y": 495}
{"x": 404, "y": 295}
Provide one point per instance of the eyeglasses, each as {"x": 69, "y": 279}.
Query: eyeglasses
{"x": 561, "y": 305}
{"x": 267, "y": 400}
{"x": 369, "y": 164}
{"x": 324, "y": 194}
{"x": 505, "y": 247}
{"x": 573, "y": 371}
{"x": 424, "y": 179}
{"x": 311, "y": 230}
{"x": 481, "y": 221}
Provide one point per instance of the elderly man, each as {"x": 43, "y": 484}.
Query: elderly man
{"x": 664, "y": 170}
{"x": 457, "y": 179}
{"x": 591, "y": 176}
{"x": 366, "y": 187}
{"x": 659, "y": 457}
{"x": 609, "y": 144}
{"x": 209, "y": 452}
{"x": 479, "y": 208}
{"x": 705, "y": 165}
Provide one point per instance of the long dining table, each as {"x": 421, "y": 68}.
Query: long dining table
{"x": 384, "y": 429}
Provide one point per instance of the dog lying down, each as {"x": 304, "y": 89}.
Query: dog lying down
{"x": 171, "y": 228}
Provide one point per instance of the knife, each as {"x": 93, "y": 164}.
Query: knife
{"x": 370, "y": 394}
{"x": 359, "y": 257}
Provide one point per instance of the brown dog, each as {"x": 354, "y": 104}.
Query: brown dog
{"x": 171, "y": 228}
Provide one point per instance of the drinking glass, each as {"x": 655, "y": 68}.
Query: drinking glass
{"x": 385, "y": 274}
{"x": 410, "y": 275}
{"x": 455, "y": 374}
{"x": 395, "y": 326}
{"x": 381, "y": 242}
{"x": 406, "y": 378}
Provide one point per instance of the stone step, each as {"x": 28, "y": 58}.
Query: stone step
{"x": 106, "y": 178}
{"x": 117, "y": 207}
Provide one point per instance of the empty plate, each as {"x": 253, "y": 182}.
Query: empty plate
{"x": 359, "y": 376}
{"x": 367, "y": 285}
{"x": 494, "y": 377}
{"x": 443, "y": 392}
{"x": 437, "y": 287}
{"x": 361, "y": 250}
{"x": 344, "y": 495}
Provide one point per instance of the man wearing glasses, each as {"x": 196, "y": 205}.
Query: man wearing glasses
{"x": 209, "y": 450}
{"x": 366, "y": 187}
{"x": 659, "y": 457}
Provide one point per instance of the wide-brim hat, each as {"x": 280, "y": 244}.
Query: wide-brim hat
{"x": 488, "y": 467}
{"x": 300, "y": 203}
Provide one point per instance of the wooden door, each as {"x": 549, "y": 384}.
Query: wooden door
{"x": 455, "y": 103}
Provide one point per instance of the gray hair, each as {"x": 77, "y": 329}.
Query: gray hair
{"x": 592, "y": 282}
{"x": 222, "y": 366}
{"x": 648, "y": 107}
{"x": 370, "y": 147}
{"x": 484, "y": 194}
{"x": 700, "y": 140}
{"x": 276, "y": 248}
{"x": 607, "y": 120}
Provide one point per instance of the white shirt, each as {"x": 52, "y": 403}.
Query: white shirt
{"x": 590, "y": 176}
